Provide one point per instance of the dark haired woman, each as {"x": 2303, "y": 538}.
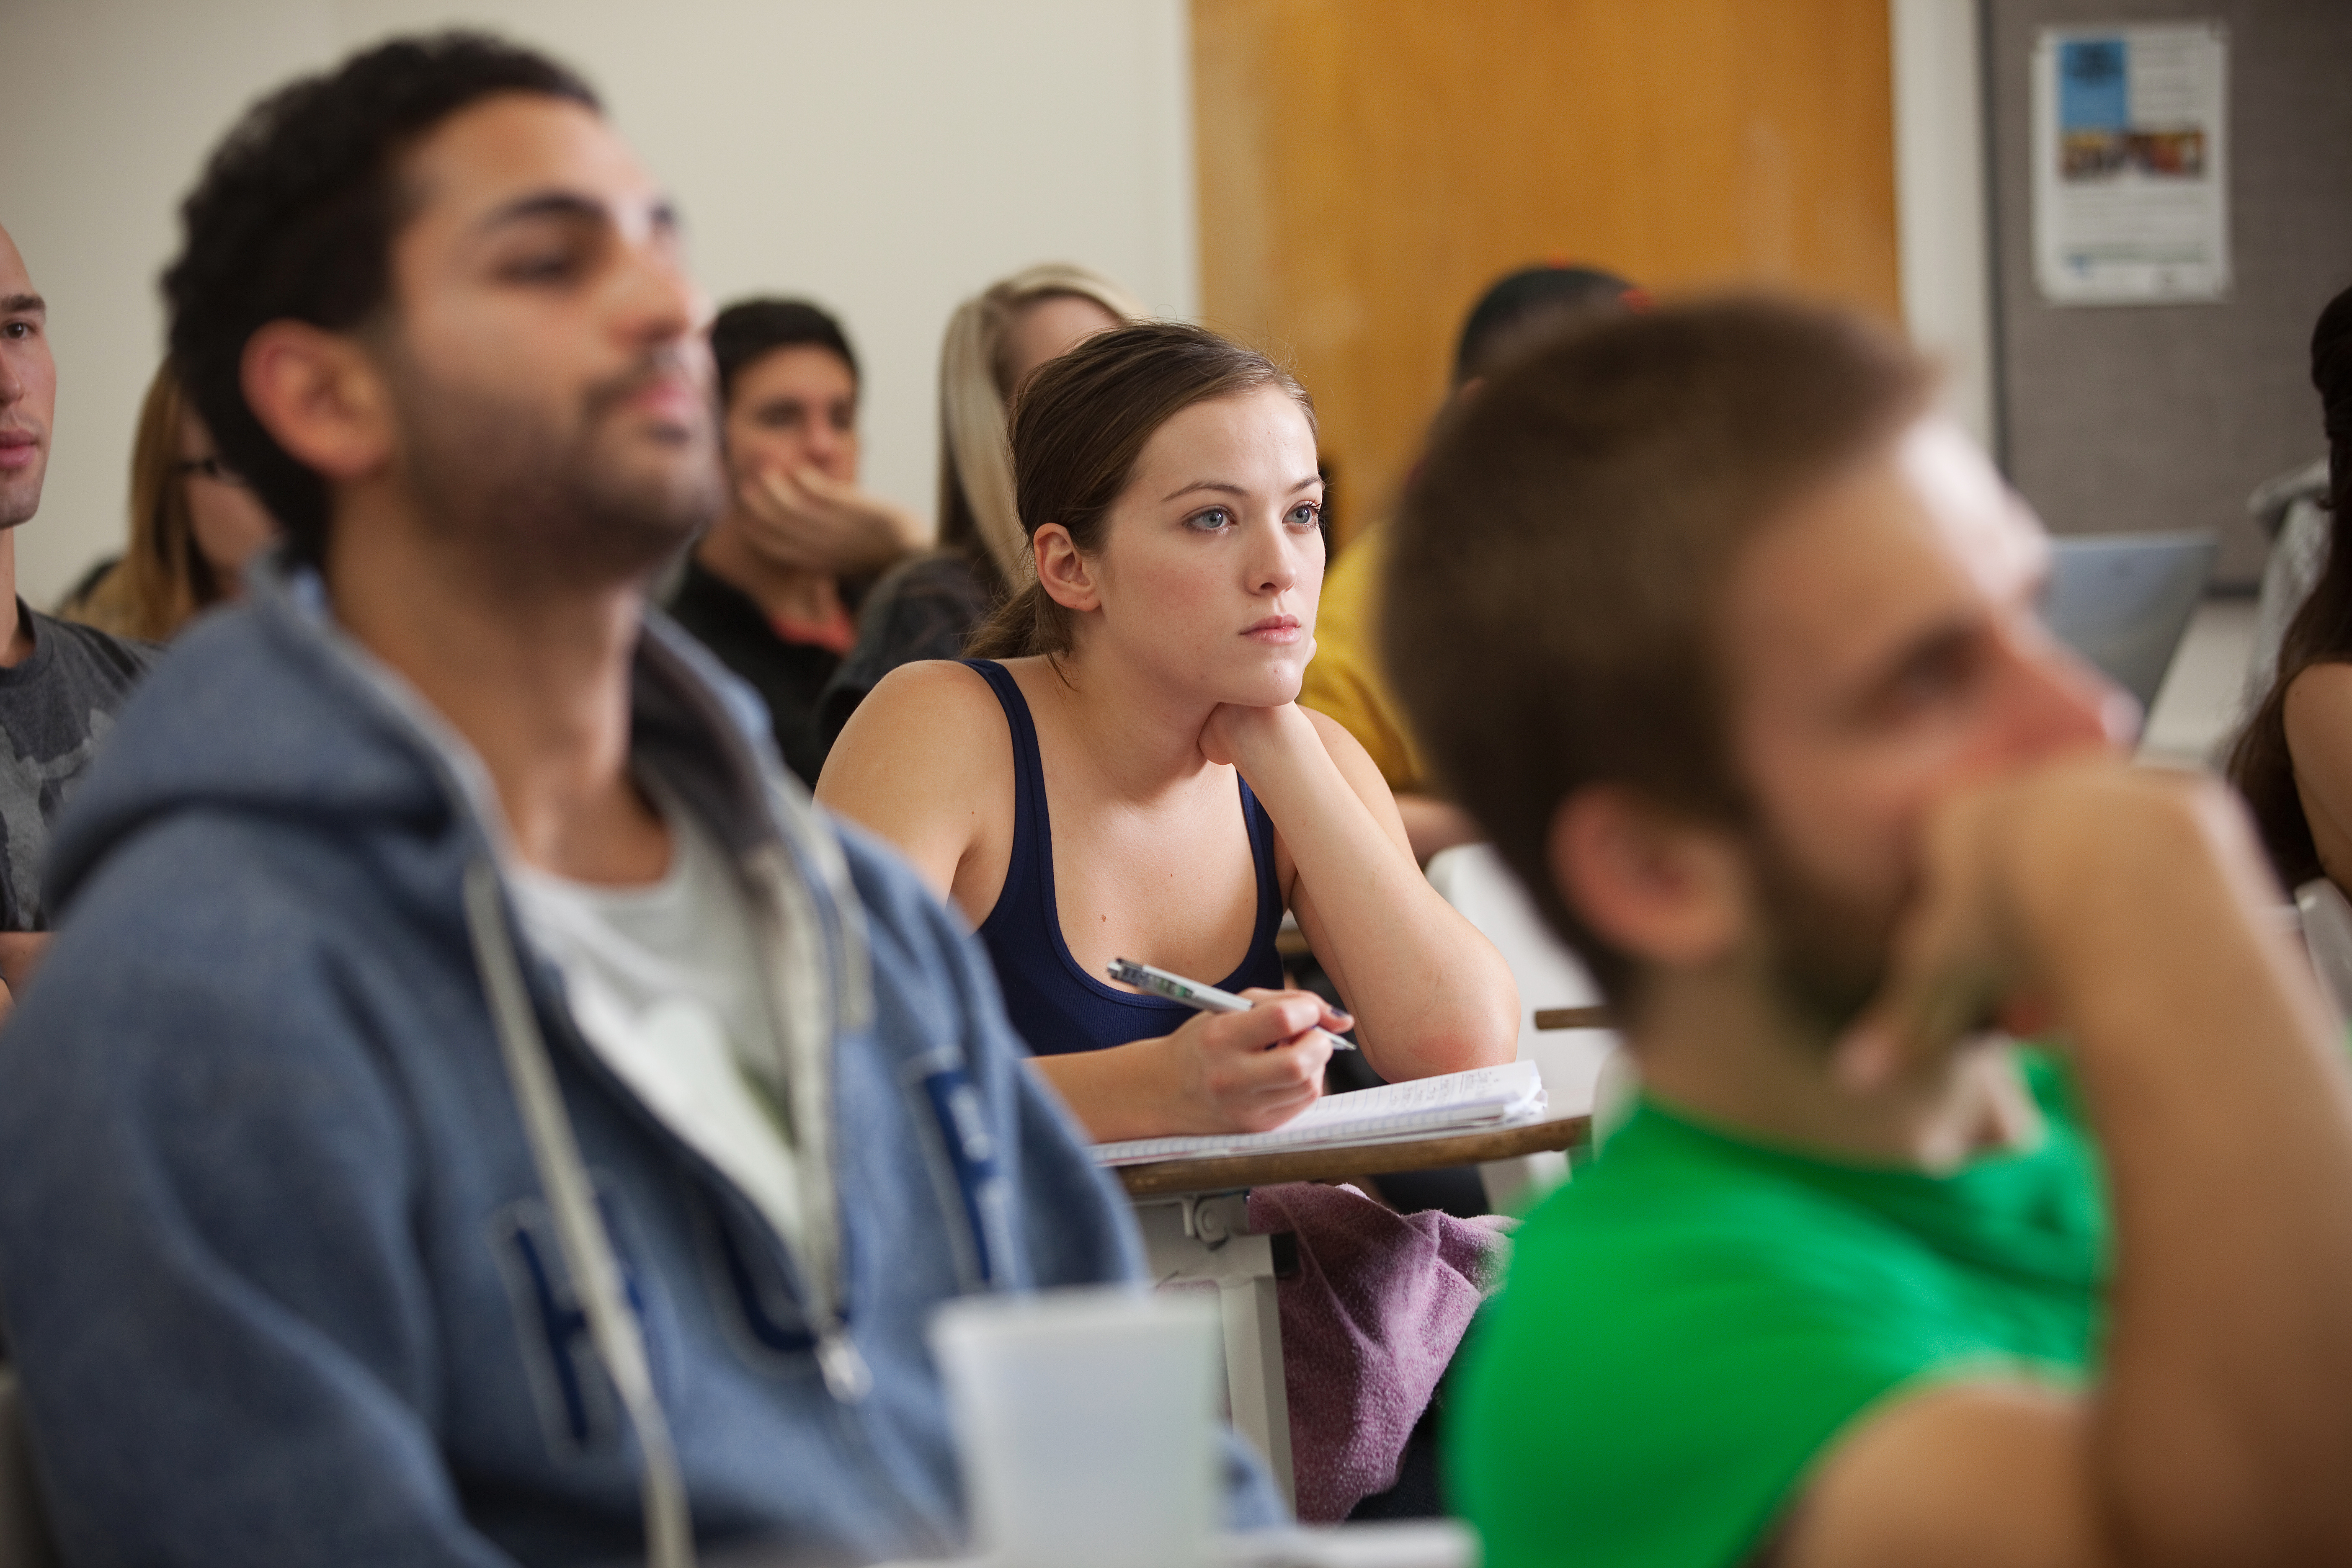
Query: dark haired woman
{"x": 774, "y": 588}
{"x": 1130, "y": 775}
{"x": 2294, "y": 759}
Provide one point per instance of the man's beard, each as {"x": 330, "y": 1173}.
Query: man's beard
{"x": 1826, "y": 957}
{"x": 553, "y": 507}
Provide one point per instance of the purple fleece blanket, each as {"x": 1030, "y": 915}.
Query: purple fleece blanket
{"x": 1380, "y": 1303}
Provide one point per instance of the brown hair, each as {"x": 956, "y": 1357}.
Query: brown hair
{"x": 163, "y": 579}
{"x": 1082, "y": 423}
{"x": 1558, "y": 567}
{"x": 2321, "y": 632}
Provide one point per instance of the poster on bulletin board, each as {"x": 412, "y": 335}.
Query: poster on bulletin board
{"x": 2131, "y": 187}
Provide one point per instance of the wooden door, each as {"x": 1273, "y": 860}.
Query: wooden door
{"x": 1366, "y": 167}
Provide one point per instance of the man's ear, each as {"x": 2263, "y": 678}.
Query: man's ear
{"x": 1657, "y": 885}
{"x": 320, "y": 396}
{"x": 1062, "y": 572}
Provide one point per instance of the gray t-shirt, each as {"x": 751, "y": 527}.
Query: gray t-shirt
{"x": 55, "y": 710}
{"x": 666, "y": 981}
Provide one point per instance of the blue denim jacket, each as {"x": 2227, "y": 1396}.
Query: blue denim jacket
{"x": 278, "y": 1274}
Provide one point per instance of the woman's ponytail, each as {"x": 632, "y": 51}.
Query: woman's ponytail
{"x": 1022, "y": 625}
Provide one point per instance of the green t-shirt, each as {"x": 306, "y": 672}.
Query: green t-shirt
{"x": 1695, "y": 1319}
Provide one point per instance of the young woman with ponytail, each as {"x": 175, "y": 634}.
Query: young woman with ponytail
{"x": 2293, "y": 760}
{"x": 1124, "y": 770}
{"x": 927, "y": 607}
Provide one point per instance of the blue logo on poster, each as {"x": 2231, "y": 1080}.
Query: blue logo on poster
{"x": 2094, "y": 85}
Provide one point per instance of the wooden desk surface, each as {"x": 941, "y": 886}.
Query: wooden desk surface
{"x": 1225, "y": 1172}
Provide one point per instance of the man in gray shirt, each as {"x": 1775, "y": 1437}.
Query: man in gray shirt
{"x": 60, "y": 684}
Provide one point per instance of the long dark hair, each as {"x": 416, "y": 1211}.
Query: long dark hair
{"x": 2321, "y": 633}
{"x": 1081, "y": 423}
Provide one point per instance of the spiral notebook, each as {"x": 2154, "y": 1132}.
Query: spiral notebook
{"x": 1474, "y": 1101}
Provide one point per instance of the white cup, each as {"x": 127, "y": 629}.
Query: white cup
{"x": 1087, "y": 1423}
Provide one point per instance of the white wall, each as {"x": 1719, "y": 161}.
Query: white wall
{"x": 884, "y": 157}
{"x": 1940, "y": 198}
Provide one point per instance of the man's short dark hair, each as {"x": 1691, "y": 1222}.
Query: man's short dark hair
{"x": 753, "y": 328}
{"x": 294, "y": 219}
{"x": 1557, "y": 571}
{"x": 1522, "y": 305}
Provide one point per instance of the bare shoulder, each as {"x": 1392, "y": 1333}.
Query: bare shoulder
{"x": 933, "y": 724}
{"x": 913, "y": 698}
{"x": 1985, "y": 1473}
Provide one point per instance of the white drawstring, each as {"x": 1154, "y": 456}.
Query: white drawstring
{"x": 580, "y": 1231}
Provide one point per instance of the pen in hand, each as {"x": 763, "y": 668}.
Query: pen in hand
{"x": 1193, "y": 993}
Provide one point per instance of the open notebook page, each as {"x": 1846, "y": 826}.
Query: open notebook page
{"x": 1453, "y": 1102}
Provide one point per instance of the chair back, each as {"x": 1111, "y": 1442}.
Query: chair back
{"x": 1474, "y": 879}
{"x": 24, "y": 1524}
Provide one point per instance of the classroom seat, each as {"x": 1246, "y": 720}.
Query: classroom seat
{"x": 1474, "y": 879}
{"x": 23, "y": 1524}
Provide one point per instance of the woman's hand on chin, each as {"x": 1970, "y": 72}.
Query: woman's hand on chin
{"x": 1241, "y": 735}
{"x": 1249, "y": 1072}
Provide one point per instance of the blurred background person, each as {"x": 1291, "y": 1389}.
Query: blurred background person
{"x": 60, "y": 685}
{"x": 774, "y": 588}
{"x": 194, "y": 522}
{"x": 929, "y": 607}
{"x": 1344, "y": 681}
{"x": 2294, "y": 759}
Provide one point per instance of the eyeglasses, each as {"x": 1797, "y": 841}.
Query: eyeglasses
{"x": 211, "y": 468}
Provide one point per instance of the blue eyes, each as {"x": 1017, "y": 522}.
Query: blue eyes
{"x": 1217, "y": 518}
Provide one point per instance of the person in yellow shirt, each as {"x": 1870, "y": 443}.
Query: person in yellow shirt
{"x": 1344, "y": 682}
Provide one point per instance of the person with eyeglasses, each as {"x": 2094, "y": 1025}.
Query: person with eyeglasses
{"x": 60, "y": 684}
{"x": 195, "y": 523}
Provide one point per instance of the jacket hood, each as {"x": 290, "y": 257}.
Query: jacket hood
{"x": 232, "y": 719}
{"x": 268, "y": 708}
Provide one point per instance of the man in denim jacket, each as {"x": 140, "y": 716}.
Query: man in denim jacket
{"x": 478, "y": 1110}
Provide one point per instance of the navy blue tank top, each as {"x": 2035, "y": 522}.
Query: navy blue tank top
{"x": 1057, "y": 1006}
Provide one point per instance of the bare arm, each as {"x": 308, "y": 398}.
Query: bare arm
{"x": 1239, "y": 1072}
{"x": 1431, "y": 825}
{"x": 1221, "y": 1072}
{"x": 1430, "y": 994}
{"x": 20, "y": 954}
{"x": 2134, "y": 906}
{"x": 887, "y": 774}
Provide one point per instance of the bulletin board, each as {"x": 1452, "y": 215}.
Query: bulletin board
{"x": 2163, "y": 414}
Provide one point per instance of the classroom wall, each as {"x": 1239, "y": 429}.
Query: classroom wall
{"x": 2122, "y": 418}
{"x": 1942, "y": 228}
{"x": 886, "y": 157}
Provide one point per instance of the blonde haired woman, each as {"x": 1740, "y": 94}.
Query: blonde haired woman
{"x": 194, "y": 525}
{"x": 927, "y": 607}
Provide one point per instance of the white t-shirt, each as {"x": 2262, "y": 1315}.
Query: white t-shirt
{"x": 664, "y": 981}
